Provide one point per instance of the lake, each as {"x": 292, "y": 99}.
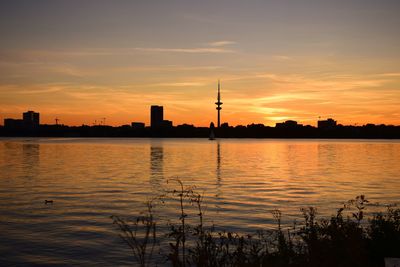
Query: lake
{"x": 242, "y": 180}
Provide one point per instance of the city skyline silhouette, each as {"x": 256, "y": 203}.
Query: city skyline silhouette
{"x": 30, "y": 119}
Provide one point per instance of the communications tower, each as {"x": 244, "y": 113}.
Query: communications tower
{"x": 219, "y": 103}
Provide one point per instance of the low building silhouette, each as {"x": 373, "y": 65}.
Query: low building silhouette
{"x": 13, "y": 124}
{"x": 138, "y": 125}
{"x": 30, "y": 120}
{"x": 288, "y": 124}
{"x": 327, "y": 124}
{"x": 166, "y": 124}
{"x": 225, "y": 125}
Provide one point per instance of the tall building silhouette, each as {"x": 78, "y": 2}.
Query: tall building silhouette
{"x": 156, "y": 116}
{"x": 219, "y": 103}
{"x": 30, "y": 119}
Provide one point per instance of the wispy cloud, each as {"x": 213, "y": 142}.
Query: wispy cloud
{"x": 33, "y": 89}
{"x": 40, "y": 91}
{"x": 221, "y": 43}
{"x": 391, "y": 74}
{"x": 165, "y": 68}
{"x": 178, "y": 84}
{"x": 197, "y": 50}
{"x": 332, "y": 83}
{"x": 32, "y": 56}
{"x": 281, "y": 58}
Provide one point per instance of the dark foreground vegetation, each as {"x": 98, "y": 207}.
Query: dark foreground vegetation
{"x": 345, "y": 239}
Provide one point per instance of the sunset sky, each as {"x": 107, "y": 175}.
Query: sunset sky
{"x": 82, "y": 61}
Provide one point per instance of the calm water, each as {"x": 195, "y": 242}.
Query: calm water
{"x": 242, "y": 180}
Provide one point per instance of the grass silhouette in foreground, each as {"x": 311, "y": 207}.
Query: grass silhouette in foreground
{"x": 345, "y": 239}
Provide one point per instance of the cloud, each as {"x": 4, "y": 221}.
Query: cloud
{"x": 196, "y": 50}
{"x": 336, "y": 83}
{"x": 221, "y": 43}
{"x": 33, "y": 89}
{"x": 40, "y": 91}
{"x": 165, "y": 68}
{"x": 33, "y": 56}
{"x": 281, "y": 58}
{"x": 178, "y": 84}
{"x": 391, "y": 74}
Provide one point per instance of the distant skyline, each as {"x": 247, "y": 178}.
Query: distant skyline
{"x": 82, "y": 61}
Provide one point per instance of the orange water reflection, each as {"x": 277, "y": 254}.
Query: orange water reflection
{"x": 242, "y": 181}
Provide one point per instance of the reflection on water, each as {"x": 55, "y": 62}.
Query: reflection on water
{"x": 156, "y": 165}
{"x": 242, "y": 181}
{"x": 218, "y": 171}
{"x": 31, "y": 159}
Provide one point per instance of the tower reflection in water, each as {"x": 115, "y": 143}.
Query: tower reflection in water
{"x": 218, "y": 171}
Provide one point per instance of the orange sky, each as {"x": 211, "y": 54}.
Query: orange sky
{"x": 276, "y": 61}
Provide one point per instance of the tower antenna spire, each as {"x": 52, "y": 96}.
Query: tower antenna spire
{"x": 219, "y": 103}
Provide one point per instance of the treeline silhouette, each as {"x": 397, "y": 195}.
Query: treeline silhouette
{"x": 225, "y": 131}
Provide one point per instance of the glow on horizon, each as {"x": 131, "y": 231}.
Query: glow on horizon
{"x": 276, "y": 61}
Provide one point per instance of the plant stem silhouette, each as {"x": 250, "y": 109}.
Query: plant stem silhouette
{"x": 345, "y": 239}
